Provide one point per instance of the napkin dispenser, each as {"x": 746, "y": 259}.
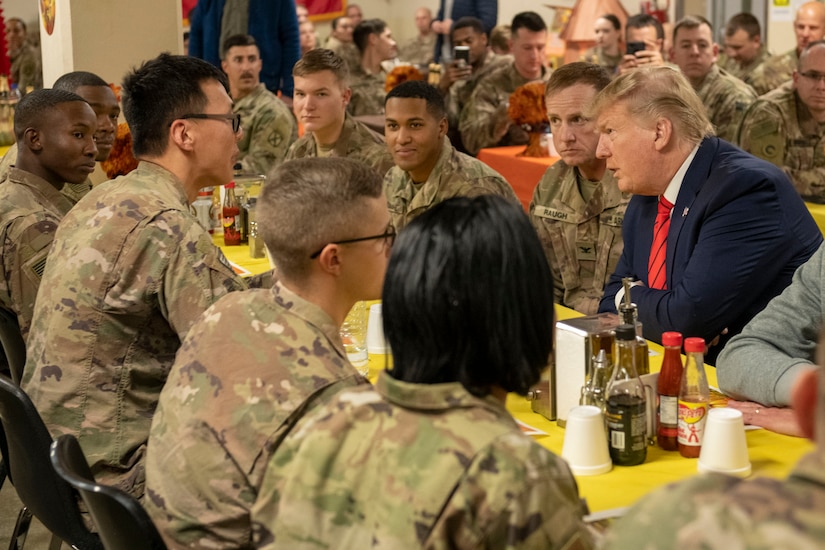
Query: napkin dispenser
{"x": 577, "y": 341}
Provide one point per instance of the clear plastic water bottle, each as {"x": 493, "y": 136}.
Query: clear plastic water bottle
{"x": 354, "y": 336}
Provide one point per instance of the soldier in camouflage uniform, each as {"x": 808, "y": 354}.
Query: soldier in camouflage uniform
{"x": 719, "y": 512}
{"x": 131, "y": 270}
{"x": 725, "y": 97}
{"x": 577, "y": 208}
{"x": 428, "y": 169}
{"x": 430, "y": 458}
{"x": 374, "y": 40}
{"x": 340, "y": 42}
{"x": 421, "y": 49}
{"x": 259, "y": 360}
{"x": 26, "y": 70}
{"x": 269, "y": 127}
{"x": 607, "y": 52}
{"x": 320, "y": 102}
{"x": 809, "y": 26}
{"x": 787, "y": 125}
{"x": 31, "y": 205}
{"x": 102, "y": 99}
{"x": 744, "y": 50}
{"x": 459, "y": 79}
{"x": 484, "y": 121}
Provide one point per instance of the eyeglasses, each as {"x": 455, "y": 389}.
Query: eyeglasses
{"x": 388, "y": 236}
{"x": 814, "y": 75}
{"x": 235, "y": 118}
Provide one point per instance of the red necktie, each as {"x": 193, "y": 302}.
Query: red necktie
{"x": 656, "y": 272}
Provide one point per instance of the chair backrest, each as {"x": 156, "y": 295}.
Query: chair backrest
{"x": 13, "y": 345}
{"x": 52, "y": 501}
{"x": 120, "y": 519}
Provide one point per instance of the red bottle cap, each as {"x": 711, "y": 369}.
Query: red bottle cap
{"x": 672, "y": 339}
{"x": 230, "y": 185}
{"x": 694, "y": 345}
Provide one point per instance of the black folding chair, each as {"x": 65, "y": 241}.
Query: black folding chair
{"x": 120, "y": 519}
{"x": 43, "y": 493}
{"x": 13, "y": 345}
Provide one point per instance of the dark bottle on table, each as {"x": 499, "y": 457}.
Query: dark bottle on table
{"x": 626, "y": 413}
{"x": 667, "y": 392}
{"x": 230, "y": 212}
{"x": 694, "y": 399}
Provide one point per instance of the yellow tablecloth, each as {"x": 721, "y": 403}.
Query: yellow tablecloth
{"x": 239, "y": 255}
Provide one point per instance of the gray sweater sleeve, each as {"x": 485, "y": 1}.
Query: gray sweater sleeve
{"x": 762, "y": 362}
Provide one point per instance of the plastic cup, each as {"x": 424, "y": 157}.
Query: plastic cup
{"x": 724, "y": 448}
{"x": 585, "y": 442}
{"x": 376, "y": 343}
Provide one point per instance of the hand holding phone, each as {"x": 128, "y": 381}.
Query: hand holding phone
{"x": 462, "y": 53}
{"x": 633, "y": 47}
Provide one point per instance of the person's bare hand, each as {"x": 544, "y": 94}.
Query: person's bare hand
{"x": 645, "y": 58}
{"x": 456, "y": 70}
{"x": 715, "y": 341}
{"x": 776, "y": 419}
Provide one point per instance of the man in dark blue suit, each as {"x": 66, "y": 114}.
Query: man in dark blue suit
{"x": 737, "y": 228}
{"x": 450, "y": 11}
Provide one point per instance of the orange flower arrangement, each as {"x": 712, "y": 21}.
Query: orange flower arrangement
{"x": 527, "y": 109}
{"x": 401, "y": 74}
{"x": 120, "y": 161}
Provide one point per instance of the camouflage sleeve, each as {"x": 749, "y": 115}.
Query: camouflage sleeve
{"x": 694, "y": 510}
{"x": 8, "y": 161}
{"x": 762, "y": 133}
{"x": 489, "y": 185}
{"x": 272, "y": 134}
{"x": 24, "y": 260}
{"x": 197, "y": 273}
{"x": 547, "y": 243}
{"x": 30, "y": 73}
{"x": 514, "y": 495}
{"x": 484, "y": 114}
{"x": 728, "y": 110}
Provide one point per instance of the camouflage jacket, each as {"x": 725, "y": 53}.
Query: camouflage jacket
{"x": 268, "y": 130}
{"x": 597, "y": 56}
{"x": 418, "y": 51}
{"x": 744, "y": 72}
{"x": 347, "y": 51}
{"x": 461, "y": 90}
{"x": 26, "y": 68}
{"x": 780, "y": 129}
{"x": 774, "y": 72}
{"x": 454, "y": 175}
{"x": 582, "y": 241}
{"x": 416, "y": 466}
{"x": 726, "y": 99}
{"x": 72, "y": 191}
{"x": 248, "y": 370}
{"x": 367, "y": 92}
{"x": 487, "y": 109}
{"x": 356, "y": 142}
{"x": 717, "y": 512}
{"x": 130, "y": 271}
{"x": 30, "y": 210}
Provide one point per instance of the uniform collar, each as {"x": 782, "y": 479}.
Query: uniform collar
{"x": 310, "y": 313}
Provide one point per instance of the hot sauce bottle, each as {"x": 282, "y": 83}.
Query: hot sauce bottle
{"x": 667, "y": 392}
{"x": 230, "y": 213}
{"x": 694, "y": 399}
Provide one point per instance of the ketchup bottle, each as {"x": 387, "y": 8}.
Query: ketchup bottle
{"x": 667, "y": 392}
{"x": 694, "y": 398}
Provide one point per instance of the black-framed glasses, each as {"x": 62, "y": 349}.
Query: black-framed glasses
{"x": 814, "y": 75}
{"x": 234, "y": 117}
{"x": 388, "y": 236}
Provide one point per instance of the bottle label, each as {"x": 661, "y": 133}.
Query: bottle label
{"x": 626, "y": 424}
{"x": 692, "y": 417}
{"x": 668, "y": 410}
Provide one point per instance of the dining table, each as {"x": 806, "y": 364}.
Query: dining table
{"x": 771, "y": 454}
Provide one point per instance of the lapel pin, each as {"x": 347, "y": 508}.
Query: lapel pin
{"x": 685, "y": 212}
